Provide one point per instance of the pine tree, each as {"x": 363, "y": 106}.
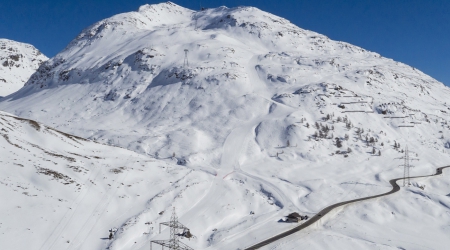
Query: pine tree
{"x": 349, "y": 150}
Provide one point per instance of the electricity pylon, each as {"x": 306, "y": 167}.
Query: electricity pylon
{"x": 186, "y": 62}
{"x": 174, "y": 242}
{"x": 406, "y": 166}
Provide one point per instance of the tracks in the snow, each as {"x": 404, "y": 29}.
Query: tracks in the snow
{"x": 323, "y": 212}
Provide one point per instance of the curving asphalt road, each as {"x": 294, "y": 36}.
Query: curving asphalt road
{"x": 319, "y": 215}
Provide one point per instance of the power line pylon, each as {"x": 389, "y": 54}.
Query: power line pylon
{"x": 174, "y": 243}
{"x": 406, "y": 166}
{"x": 186, "y": 62}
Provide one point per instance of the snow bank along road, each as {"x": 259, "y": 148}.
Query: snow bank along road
{"x": 318, "y": 216}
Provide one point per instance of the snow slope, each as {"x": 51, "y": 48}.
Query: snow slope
{"x": 259, "y": 113}
{"x": 18, "y": 61}
{"x": 63, "y": 192}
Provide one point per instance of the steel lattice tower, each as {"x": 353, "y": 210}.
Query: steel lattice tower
{"x": 173, "y": 231}
{"x": 174, "y": 242}
{"x": 406, "y": 167}
{"x": 186, "y": 62}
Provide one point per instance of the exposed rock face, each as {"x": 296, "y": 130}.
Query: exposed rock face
{"x": 18, "y": 61}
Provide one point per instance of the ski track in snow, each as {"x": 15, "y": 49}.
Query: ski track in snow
{"x": 67, "y": 218}
{"x": 91, "y": 221}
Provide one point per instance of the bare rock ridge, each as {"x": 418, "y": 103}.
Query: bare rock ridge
{"x": 18, "y": 61}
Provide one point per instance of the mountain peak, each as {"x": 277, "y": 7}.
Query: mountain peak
{"x": 161, "y": 6}
{"x": 17, "y": 62}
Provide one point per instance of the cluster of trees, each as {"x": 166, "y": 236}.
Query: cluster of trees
{"x": 374, "y": 151}
{"x": 370, "y": 141}
{"x": 328, "y": 117}
{"x": 397, "y": 147}
{"x": 322, "y": 131}
{"x": 339, "y": 145}
{"x": 348, "y": 123}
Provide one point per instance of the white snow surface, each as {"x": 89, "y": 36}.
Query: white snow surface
{"x": 18, "y": 61}
{"x": 229, "y": 139}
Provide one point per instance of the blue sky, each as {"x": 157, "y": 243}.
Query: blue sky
{"x": 416, "y": 32}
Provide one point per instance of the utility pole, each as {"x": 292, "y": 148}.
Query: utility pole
{"x": 186, "y": 62}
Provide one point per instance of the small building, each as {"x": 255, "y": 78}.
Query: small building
{"x": 295, "y": 217}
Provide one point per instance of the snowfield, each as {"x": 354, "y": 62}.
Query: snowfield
{"x": 266, "y": 119}
{"x": 18, "y": 61}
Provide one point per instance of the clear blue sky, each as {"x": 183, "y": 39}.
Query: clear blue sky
{"x": 416, "y": 32}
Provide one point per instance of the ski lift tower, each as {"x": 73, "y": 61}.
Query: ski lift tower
{"x": 174, "y": 242}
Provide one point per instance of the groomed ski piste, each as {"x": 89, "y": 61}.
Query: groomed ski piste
{"x": 241, "y": 137}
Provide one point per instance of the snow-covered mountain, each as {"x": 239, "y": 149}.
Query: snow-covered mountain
{"x": 18, "y": 61}
{"x": 273, "y": 117}
{"x": 60, "y": 191}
